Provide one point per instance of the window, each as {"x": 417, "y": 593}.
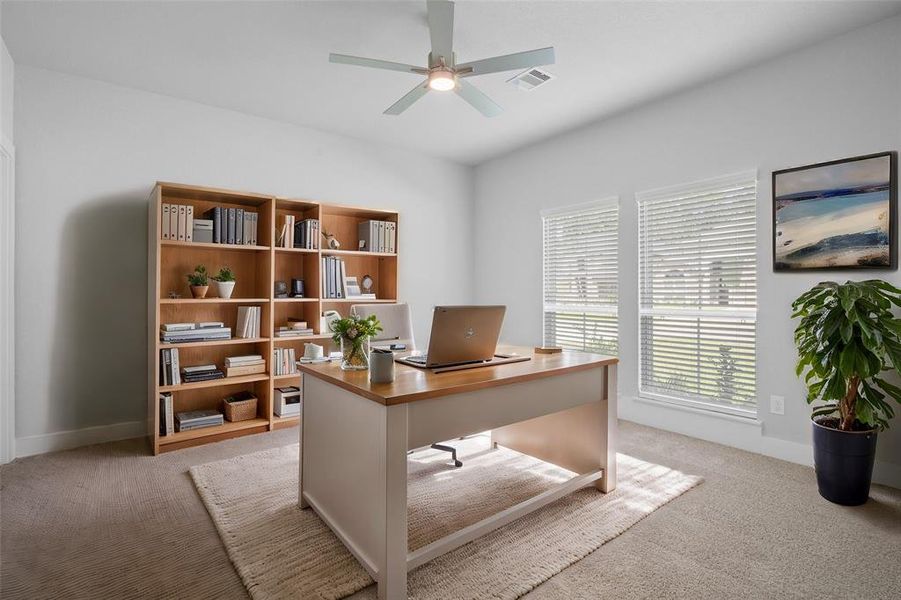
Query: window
{"x": 580, "y": 276}
{"x": 698, "y": 294}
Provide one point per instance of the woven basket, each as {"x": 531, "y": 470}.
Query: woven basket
{"x": 240, "y": 407}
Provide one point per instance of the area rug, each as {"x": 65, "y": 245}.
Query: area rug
{"x": 281, "y": 551}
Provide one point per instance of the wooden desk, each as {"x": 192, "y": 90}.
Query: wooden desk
{"x": 560, "y": 408}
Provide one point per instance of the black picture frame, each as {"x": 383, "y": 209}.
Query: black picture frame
{"x": 893, "y": 214}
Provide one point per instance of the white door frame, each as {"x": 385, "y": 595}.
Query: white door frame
{"x": 7, "y": 301}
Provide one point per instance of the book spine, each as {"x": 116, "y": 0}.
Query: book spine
{"x": 189, "y": 224}
{"x": 174, "y": 373}
{"x": 239, "y": 226}
{"x": 170, "y": 415}
{"x": 230, "y": 239}
{"x": 256, "y": 229}
{"x": 164, "y": 223}
{"x": 392, "y": 237}
{"x": 182, "y": 220}
{"x": 342, "y": 291}
{"x": 173, "y": 222}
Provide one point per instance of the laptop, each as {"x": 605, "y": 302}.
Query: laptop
{"x": 461, "y": 335}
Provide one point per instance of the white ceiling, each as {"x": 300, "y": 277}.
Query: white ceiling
{"x": 271, "y": 58}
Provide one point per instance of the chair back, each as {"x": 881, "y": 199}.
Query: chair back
{"x": 396, "y": 320}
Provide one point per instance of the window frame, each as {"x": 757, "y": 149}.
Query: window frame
{"x": 573, "y": 209}
{"x": 698, "y": 403}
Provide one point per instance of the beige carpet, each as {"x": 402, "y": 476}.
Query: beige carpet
{"x": 111, "y": 521}
{"x": 283, "y": 552}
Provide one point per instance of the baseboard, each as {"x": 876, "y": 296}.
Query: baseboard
{"x": 744, "y": 436}
{"x": 64, "y": 440}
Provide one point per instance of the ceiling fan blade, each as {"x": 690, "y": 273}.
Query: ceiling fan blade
{"x": 375, "y": 63}
{"x": 509, "y": 62}
{"x": 412, "y": 96}
{"x": 441, "y": 30}
{"x": 477, "y": 99}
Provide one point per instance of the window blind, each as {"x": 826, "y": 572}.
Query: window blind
{"x": 580, "y": 257}
{"x": 698, "y": 293}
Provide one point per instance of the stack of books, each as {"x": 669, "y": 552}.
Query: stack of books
{"x": 377, "y": 236}
{"x": 172, "y": 333}
{"x": 294, "y": 329}
{"x": 250, "y": 364}
{"x": 284, "y": 361}
{"x": 248, "y": 325}
{"x": 169, "y": 371}
{"x": 167, "y": 419}
{"x": 235, "y": 226}
{"x": 197, "y": 419}
{"x": 177, "y": 222}
{"x": 201, "y": 373}
{"x": 298, "y": 234}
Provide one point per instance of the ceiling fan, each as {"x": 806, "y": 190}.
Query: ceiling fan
{"x": 443, "y": 74}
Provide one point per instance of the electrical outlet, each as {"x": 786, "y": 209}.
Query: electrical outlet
{"x": 777, "y": 405}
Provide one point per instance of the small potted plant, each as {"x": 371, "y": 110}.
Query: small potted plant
{"x": 224, "y": 281}
{"x": 353, "y": 334}
{"x": 199, "y": 282}
{"x": 847, "y": 339}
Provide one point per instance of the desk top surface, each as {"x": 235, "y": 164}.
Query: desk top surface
{"x": 411, "y": 384}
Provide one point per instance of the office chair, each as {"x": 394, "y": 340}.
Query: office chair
{"x": 397, "y": 328}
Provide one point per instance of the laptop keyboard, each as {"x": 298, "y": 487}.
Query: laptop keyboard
{"x": 420, "y": 359}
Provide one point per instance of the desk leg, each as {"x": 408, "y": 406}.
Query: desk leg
{"x": 392, "y": 583}
{"x": 608, "y": 461}
{"x": 300, "y": 499}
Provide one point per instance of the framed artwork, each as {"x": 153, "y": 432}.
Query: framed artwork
{"x": 836, "y": 215}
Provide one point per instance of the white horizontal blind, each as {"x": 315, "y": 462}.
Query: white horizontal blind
{"x": 698, "y": 293}
{"x": 580, "y": 276}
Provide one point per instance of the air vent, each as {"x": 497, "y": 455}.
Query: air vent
{"x": 531, "y": 79}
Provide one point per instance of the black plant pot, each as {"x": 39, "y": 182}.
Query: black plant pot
{"x": 844, "y": 463}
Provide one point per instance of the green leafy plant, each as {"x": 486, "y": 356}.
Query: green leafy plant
{"x": 847, "y": 338}
{"x": 199, "y": 277}
{"x": 354, "y": 331}
{"x": 354, "y": 328}
{"x": 224, "y": 274}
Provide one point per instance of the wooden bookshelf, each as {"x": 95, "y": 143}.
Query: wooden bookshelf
{"x": 257, "y": 268}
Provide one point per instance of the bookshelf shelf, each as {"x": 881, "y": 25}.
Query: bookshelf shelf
{"x": 219, "y": 247}
{"x": 319, "y": 337}
{"x": 231, "y": 342}
{"x": 360, "y": 301}
{"x": 296, "y": 250}
{"x": 197, "y": 385}
{"x": 257, "y": 268}
{"x": 227, "y": 427}
{"x": 188, "y": 301}
{"x": 282, "y": 422}
{"x": 358, "y": 253}
{"x": 287, "y": 376}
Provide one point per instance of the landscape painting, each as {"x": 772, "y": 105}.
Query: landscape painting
{"x": 836, "y": 215}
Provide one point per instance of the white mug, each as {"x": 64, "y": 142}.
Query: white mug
{"x": 312, "y": 351}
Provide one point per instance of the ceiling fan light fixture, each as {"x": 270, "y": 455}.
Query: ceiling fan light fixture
{"x": 442, "y": 80}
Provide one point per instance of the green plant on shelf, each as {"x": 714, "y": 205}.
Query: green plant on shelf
{"x": 199, "y": 277}
{"x": 224, "y": 274}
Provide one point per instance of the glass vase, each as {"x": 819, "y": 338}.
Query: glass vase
{"x": 354, "y": 354}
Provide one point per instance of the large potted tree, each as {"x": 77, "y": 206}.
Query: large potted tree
{"x": 847, "y": 340}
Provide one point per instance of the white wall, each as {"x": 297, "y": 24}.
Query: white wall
{"x": 838, "y": 99}
{"x": 7, "y": 252}
{"x": 88, "y": 156}
{"x": 7, "y": 81}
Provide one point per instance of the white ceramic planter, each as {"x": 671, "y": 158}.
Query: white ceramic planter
{"x": 224, "y": 289}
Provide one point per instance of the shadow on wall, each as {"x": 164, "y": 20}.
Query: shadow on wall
{"x": 100, "y": 333}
